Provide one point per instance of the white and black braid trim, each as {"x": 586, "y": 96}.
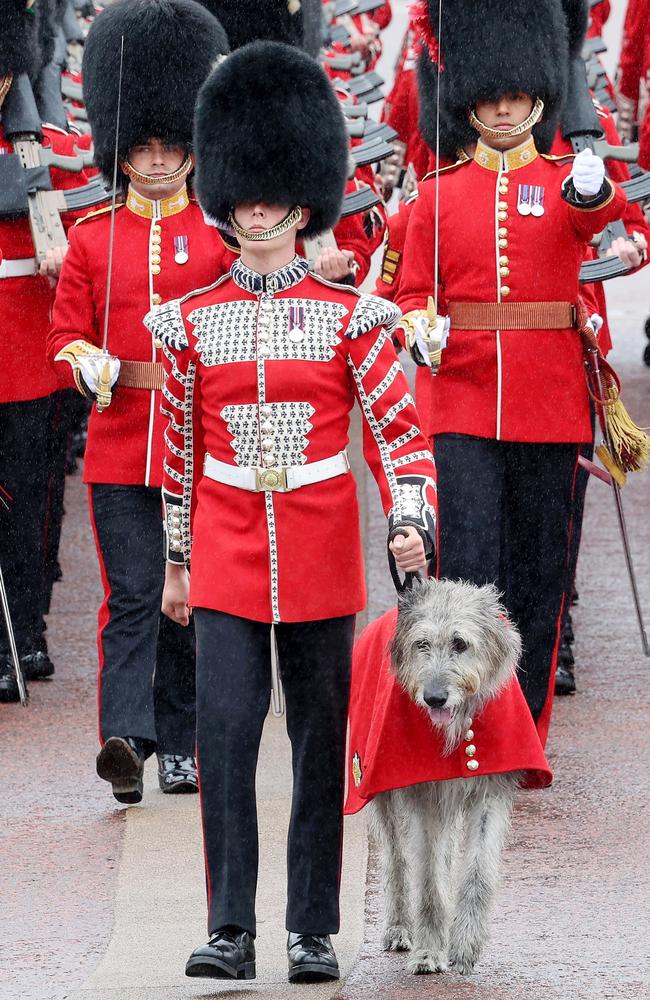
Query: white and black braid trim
{"x": 371, "y": 312}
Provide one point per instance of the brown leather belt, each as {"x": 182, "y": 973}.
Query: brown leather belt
{"x": 512, "y": 315}
{"x": 141, "y": 375}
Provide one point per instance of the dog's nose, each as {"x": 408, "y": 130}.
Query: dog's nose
{"x": 435, "y": 698}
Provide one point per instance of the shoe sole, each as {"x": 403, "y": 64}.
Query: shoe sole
{"x": 117, "y": 763}
{"x": 180, "y": 788}
{"x": 203, "y": 968}
{"x": 312, "y": 974}
{"x": 9, "y": 693}
{"x": 39, "y": 675}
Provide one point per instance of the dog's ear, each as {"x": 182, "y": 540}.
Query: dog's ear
{"x": 502, "y": 639}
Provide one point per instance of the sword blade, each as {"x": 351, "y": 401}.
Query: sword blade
{"x": 22, "y": 690}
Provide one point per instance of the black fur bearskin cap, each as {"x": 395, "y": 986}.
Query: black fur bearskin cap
{"x": 269, "y": 128}
{"x": 576, "y": 13}
{"x": 247, "y": 21}
{"x": 19, "y": 48}
{"x": 170, "y": 46}
{"x": 490, "y": 48}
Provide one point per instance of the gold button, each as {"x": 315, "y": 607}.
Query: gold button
{"x": 156, "y": 230}
{"x": 156, "y": 239}
{"x": 502, "y": 216}
{"x": 503, "y": 231}
{"x": 503, "y": 244}
{"x": 502, "y": 206}
{"x": 155, "y": 268}
{"x": 470, "y": 750}
{"x": 469, "y": 735}
{"x": 157, "y": 343}
{"x": 156, "y": 299}
{"x": 504, "y": 179}
{"x": 504, "y": 272}
{"x": 503, "y": 190}
{"x": 472, "y": 765}
{"x": 504, "y": 260}
{"x": 155, "y": 258}
{"x": 505, "y": 290}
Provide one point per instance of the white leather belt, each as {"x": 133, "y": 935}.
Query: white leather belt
{"x": 19, "y": 268}
{"x": 281, "y": 478}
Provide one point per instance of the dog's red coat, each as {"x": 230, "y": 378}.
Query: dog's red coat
{"x": 393, "y": 743}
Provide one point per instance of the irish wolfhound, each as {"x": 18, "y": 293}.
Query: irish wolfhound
{"x": 453, "y": 650}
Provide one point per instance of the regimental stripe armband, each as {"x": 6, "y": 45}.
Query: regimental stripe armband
{"x": 172, "y": 525}
{"x": 389, "y": 265}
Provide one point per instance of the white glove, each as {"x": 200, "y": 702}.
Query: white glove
{"x": 91, "y": 370}
{"x": 595, "y": 322}
{"x": 588, "y": 173}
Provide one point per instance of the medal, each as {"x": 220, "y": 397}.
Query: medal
{"x": 537, "y": 208}
{"x": 523, "y": 199}
{"x": 181, "y": 256}
{"x": 296, "y": 324}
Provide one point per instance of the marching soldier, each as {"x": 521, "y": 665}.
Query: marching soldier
{"x": 162, "y": 247}
{"x": 262, "y": 371}
{"x": 27, "y": 385}
{"x": 509, "y": 408}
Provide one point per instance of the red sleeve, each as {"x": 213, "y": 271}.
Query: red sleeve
{"x": 417, "y": 275}
{"x": 589, "y": 221}
{"x": 350, "y": 235}
{"x": 383, "y": 15}
{"x": 630, "y": 67}
{"x": 394, "y": 446}
{"x": 73, "y": 316}
{"x": 644, "y": 141}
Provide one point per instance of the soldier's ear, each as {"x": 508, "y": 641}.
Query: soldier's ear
{"x": 306, "y": 216}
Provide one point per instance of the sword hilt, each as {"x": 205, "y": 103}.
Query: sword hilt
{"x": 104, "y": 394}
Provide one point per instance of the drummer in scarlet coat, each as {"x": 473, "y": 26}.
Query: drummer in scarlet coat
{"x": 509, "y": 407}
{"x": 263, "y": 369}
{"x": 162, "y": 247}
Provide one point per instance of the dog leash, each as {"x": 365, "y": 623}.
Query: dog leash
{"x": 410, "y": 579}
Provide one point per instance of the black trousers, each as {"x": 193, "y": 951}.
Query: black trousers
{"x": 233, "y": 685}
{"x": 505, "y": 517}
{"x": 147, "y": 662}
{"x": 24, "y": 474}
{"x": 64, "y": 405}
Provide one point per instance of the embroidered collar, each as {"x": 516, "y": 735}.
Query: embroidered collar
{"x": 509, "y": 159}
{"x": 276, "y": 281}
{"x": 148, "y": 209}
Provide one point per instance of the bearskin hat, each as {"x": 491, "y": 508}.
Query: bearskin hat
{"x": 19, "y": 48}
{"x": 247, "y": 21}
{"x": 170, "y": 47}
{"x": 579, "y": 116}
{"x": 490, "y": 48}
{"x": 287, "y": 143}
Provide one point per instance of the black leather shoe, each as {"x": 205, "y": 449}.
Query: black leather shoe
{"x": 229, "y": 954}
{"x": 122, "y": 763}
{"x": 311, "y": 958}
{"x": 36, "y": 663}
{"x": 565, "y": 682}
{"x": 177, "y": 774}
{"x": 8, "y": 683}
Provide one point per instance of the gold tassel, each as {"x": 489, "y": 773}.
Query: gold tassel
{"x": 630, "y": 444}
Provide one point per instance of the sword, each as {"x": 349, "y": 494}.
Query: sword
{"x": 620, "y": 513}
{"x": 277, "y": 693}
{"x": 22, "y": 690}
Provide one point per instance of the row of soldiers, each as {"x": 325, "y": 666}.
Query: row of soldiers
{"x": 210, "y": 315}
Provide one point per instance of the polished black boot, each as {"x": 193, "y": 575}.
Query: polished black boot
{"x": 311, "y": 958}
{"x": 229, "y": 954}
{"x": 36, "y": 663}
{"x": 565, "y": 682}
{"x": 8, "y": 683}
{"x": 121, "y": 761}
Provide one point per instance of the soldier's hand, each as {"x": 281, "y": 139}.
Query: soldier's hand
{"x": 51, "y": 266}
{"x": 409, "y": 552}
{"x": 94, "y": 367}
{"x": 588, "y": 174}
{"x": 176, "y": 594}
{"x": 334, "y": 265}
{"x": 631, "y": 252}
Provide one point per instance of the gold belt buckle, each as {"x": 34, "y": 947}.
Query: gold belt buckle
{"x": 270, "y": 479}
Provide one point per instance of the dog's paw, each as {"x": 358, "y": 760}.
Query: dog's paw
{"x": 423, "y": 963}
{"x": 463, "y": 962}
{"x": 396, "y": 938}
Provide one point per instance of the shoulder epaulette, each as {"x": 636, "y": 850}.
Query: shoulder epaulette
{"x": 558, "y": 159}
{"x": 445, "y": 170}
{"x": 166, "y": 321}
{"x": 97, "y": 212}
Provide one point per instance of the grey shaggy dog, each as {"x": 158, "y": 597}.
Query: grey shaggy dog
{"x": 453, "y": 650}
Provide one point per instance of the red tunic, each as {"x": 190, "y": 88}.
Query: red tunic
{"x": 260, "y": 378}
{"x": 514, "y": 385}
{"x": 125, "y": 442}
{"x": 26, "y": 302}
{"x": 393, "y": 743}
{"x": 634, "y": 60}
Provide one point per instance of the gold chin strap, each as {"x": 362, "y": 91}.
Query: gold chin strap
{"x": 289, "y": 221}
{"x": 5, "y": 86}
{"x": 512, "y": 133}
{"x": 177, "y": 175}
